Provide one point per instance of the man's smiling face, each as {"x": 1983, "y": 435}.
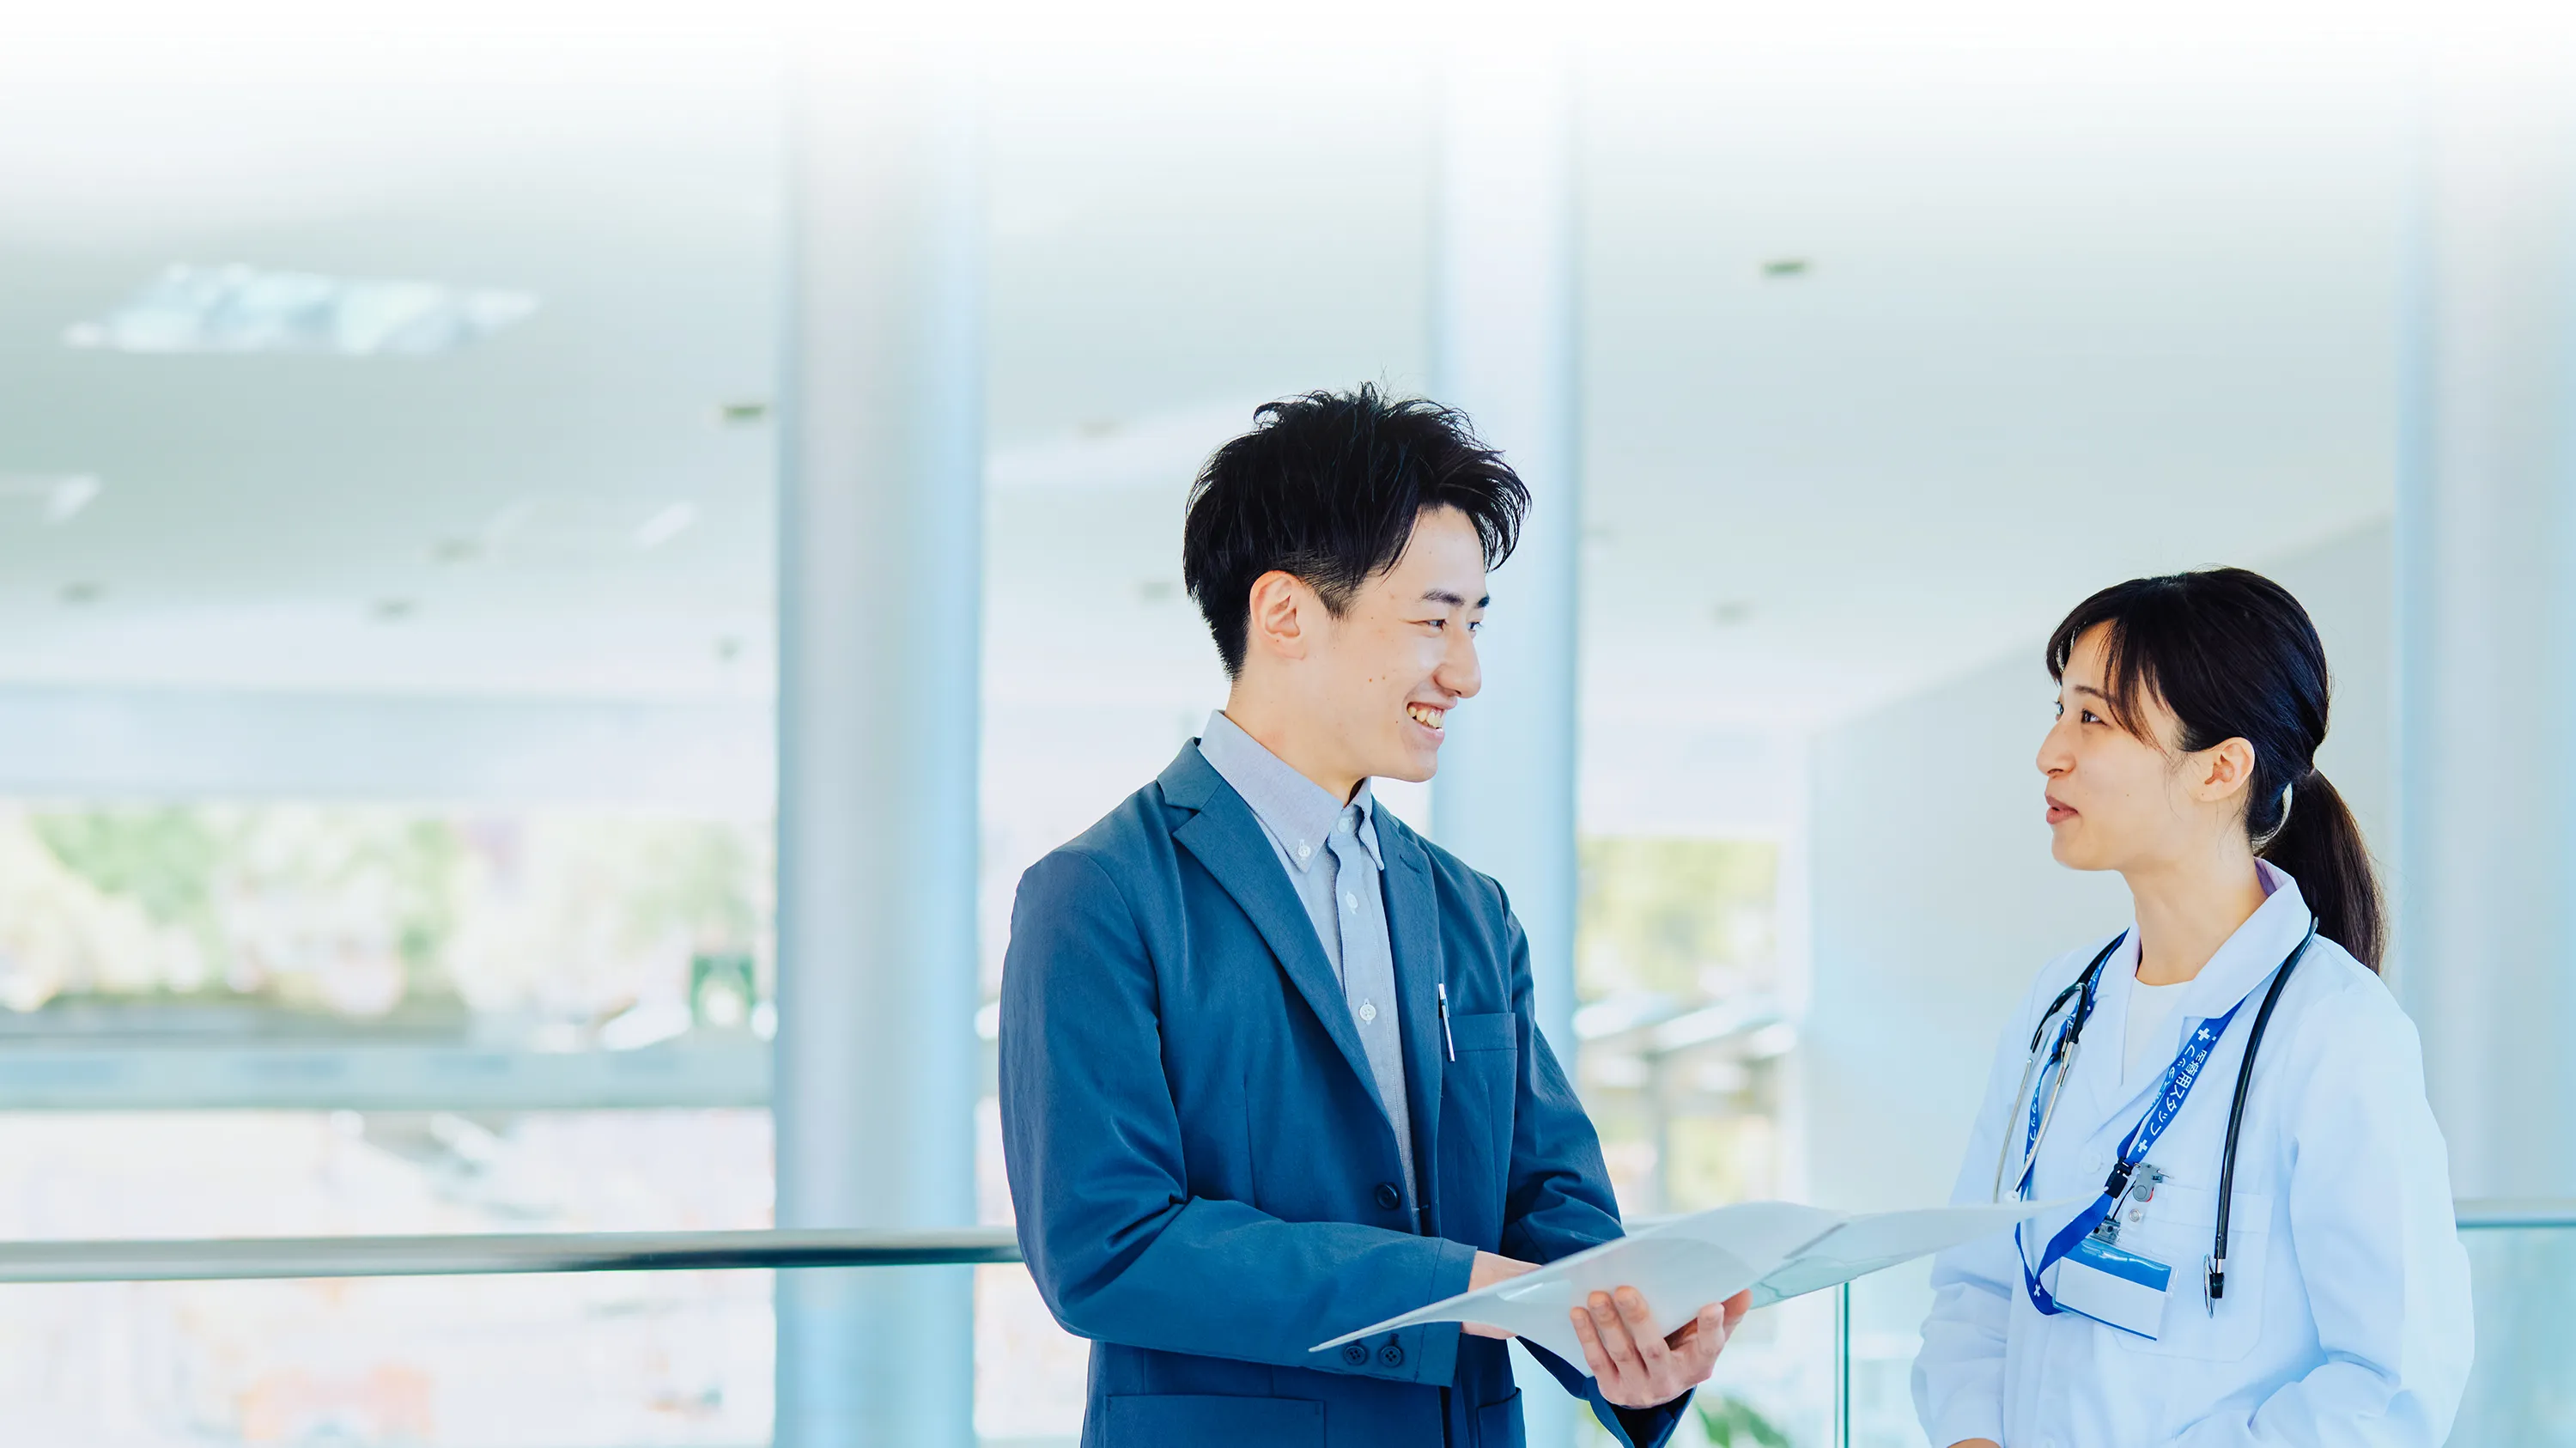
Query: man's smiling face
{"x": 1402, "y": 652}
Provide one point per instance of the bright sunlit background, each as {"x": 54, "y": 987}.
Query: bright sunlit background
{"x": 392, "y": 418}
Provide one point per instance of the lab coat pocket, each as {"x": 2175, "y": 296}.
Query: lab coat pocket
{"x": 2177, "y": 1228}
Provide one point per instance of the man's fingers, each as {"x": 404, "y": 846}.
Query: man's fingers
{"x": 1708, "y": 1333}
{"x": 1615, "y": 1341}
{"x": 1594, "y": 1356}
{"x": 1736, "y": 1306}
{"x": 1640, "y": 1323}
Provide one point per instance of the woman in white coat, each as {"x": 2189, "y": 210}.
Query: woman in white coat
{"x": 2315, "y": 1292}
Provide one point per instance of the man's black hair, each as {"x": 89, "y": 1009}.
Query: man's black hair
{"x": 1328, "y": 487}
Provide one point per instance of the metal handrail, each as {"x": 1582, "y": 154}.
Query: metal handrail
{"x": 2491, "y": 1214}
{"x": 478, "y": 1254}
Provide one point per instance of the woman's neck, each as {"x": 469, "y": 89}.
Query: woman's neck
{"x": 2188, "y": 908}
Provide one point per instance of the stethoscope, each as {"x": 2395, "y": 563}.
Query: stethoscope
{"x": 2059, "y": 1062}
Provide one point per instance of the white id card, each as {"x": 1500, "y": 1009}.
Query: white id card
{"x": 2115, "y": 1288}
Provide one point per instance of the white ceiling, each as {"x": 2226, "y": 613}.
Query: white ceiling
{"x": 2070, "y": 314}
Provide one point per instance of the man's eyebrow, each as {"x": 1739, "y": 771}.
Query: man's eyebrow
{"x": 1453, "y": 600}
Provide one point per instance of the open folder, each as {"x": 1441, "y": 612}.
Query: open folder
{"x": 1779, "y": 1249}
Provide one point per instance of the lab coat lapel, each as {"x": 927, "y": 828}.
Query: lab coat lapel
{"x": 2240, "y": 967}
{"x": 1413, "y": 929}
{"x": 2094, "y": 1093}
{"x": 2247, "y": 959}
{"x": 1223, "y": 834}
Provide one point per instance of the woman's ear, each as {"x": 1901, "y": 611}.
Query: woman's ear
{"x": 2222, "y": 771}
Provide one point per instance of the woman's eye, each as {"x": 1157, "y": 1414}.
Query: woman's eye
{"x": 2090, "y": 717}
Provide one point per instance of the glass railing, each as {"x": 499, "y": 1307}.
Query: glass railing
{"x": 663, "y": 1337}
{"x": 2522, "y": 1391}
{"x": 2521, "y": 1394}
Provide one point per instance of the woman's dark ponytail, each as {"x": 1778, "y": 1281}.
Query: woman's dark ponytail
{"x": 2234, "y": 656}
{"x": 2320, "y": 845}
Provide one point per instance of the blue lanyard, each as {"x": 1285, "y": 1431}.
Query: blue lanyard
{"x": 2178, "y": 1081}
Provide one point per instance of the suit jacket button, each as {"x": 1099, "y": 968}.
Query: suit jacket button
{"x": 1391, "y": 1355}
{"x": 1388, "y": 1197}
{"x": 1355, "y": 1355}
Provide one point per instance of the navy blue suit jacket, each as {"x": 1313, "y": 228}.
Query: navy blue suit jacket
{"x": 1205, "y": 1184}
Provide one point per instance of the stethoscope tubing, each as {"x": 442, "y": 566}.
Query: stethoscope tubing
{"x": 2061, "y": 1057}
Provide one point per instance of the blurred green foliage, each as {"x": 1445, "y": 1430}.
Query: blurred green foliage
{"x": 1656, "y": 914}
{"x": 277, "y": 900}
{"x": 1730, "y": 1421}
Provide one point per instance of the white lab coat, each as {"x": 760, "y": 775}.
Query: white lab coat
{"x": 2346, "y": 1320}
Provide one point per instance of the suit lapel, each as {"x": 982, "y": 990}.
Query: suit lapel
{"x": 1225, "y": 837}
{"x": 1413, "y": 929}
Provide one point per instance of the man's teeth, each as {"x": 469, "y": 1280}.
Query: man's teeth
{"x": 1427, "y": 718}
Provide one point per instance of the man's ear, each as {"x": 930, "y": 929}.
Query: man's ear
{"x": 1282, "y": 606}
{"x": 2226, "y": 769}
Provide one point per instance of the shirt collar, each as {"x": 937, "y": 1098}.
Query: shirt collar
{"x": 1299, "y": 813}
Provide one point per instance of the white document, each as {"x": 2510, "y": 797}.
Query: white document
{"x": 1779, "y": 1249}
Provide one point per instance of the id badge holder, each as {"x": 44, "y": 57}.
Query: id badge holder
{"x": 2113, "y": 1287}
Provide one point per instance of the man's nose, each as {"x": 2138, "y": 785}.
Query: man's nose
{"x": 1459, "y": 673}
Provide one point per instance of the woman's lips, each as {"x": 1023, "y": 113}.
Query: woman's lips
{"x": 2058, "y": 812}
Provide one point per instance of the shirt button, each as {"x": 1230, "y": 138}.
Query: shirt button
{"x": 1352, "y": 901}
{"x": 1391, "y": 1355}
{"x": 1368, "y": 1012}
{"x": 1388, "y": 1197}
{"x": 1355, "y": 1354}
{"x": 1304, "y": 850}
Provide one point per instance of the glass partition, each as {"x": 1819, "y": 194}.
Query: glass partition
{"x": 2522, "y": 1390}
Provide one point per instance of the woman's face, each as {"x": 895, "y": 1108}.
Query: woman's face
{"x": 2115, "y": 801}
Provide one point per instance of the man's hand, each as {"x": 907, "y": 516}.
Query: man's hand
{"x": 1976, "y": 1443}
{"x": 1490, "y": 1269}
{"x": 1638, "y": 1367}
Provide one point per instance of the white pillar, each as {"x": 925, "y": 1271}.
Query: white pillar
{"x": 1503, "y": 350}
{"x": 2485, "y": 872}
{"x": 880, "y": 547}
{"x": 2486, "y": 867}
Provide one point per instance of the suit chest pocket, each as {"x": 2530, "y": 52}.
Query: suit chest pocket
{"x": 2178, "y": 1228}
{"x": 1478, "y": 1091}
{"x": 1494, "y": 1031}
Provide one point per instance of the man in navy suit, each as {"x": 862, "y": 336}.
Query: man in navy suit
{"x": 1268, "y": 1067}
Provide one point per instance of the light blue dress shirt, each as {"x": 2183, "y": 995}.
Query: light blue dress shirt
{"x": 1330, "y": 851}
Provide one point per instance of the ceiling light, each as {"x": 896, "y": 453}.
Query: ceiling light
{"x": 58, "y": 496}
{"x": 244, "y": 309}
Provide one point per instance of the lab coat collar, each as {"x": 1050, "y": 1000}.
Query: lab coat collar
{"x": 2241, "y": 966}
